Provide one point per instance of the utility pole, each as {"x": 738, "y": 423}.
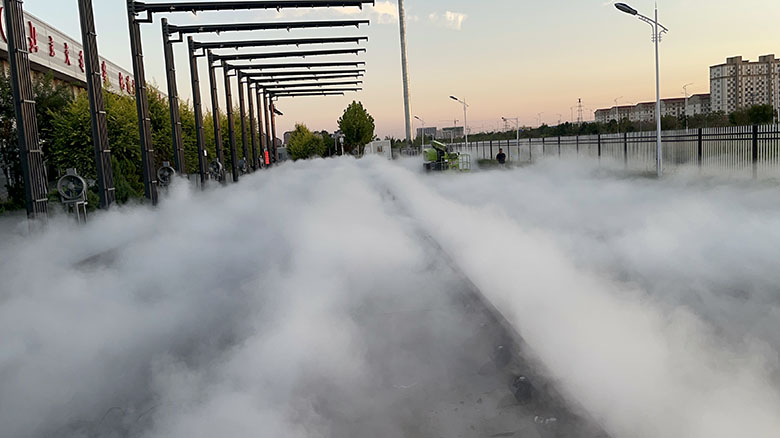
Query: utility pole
{"x": 405, "y": 73}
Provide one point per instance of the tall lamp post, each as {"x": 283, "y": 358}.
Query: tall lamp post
{"x": 465, "y": 118}
{"x": 517, "y": 126}
{"x": 685, "y": 111}
{"x": 658, "y": 31}
{"x": 422, "y": 147}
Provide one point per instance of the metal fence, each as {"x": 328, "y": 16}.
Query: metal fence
{"x": 749, "y": 150}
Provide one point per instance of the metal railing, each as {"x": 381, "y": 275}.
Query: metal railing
{"x": 753, "y": 150}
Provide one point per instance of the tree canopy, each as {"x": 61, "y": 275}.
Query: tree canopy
{"x": 358, "y": 127}
{"x": 304, "y": 144}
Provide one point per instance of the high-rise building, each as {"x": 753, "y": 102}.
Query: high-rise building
{"x": 741, "y": 84}
{"x": 429, "y": 132}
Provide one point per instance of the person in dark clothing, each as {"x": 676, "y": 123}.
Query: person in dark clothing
{"x": 501, "y": 157}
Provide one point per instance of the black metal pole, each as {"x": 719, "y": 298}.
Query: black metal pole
{"x": 173, "y": 98}
{"x": 215, "y": 113}
{"x": 198, "y": 109}
{"x": 30, "y": 152}
{"x": 242, "y": 114}
{"x": 252, "y": 126}
{"x": 263, "y": 144}
{"x": 273, "y": 127}
{"x": 231, "y": 130}
{"x": 268, "y": 142}
{"x": 142, "y": 104}
{"x": 105, "y": 175}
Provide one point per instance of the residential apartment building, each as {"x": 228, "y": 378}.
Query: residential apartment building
{"x": 741, "y": 84}
{"x": 429, "y": 132}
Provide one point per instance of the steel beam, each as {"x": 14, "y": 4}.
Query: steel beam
{"x": 173, "y": 99}
{"x": 231, "y": 129}
{"x": 264, "y": 67}
{"x": 198, "y": 109}
{"x": 275, "y": 55}
{"x": 284, "y": 74}
{"x": 30, "y": 151}
{"x": 215, "y": 114}
{"x": 294, "y": 94}
{"x": 190, "y": 6}
{"x": 105, "y": 175}
{"x": 241, "y": 27}
{"x": 252, "y": 126}
{"x": 242, "y": 113}
{"x": 142, "y": 103}
{"x": 309, "y": 90}
{"x": 273, "y": 86}
{"x": 279, "y": 42}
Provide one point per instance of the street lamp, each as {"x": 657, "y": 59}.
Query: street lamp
{"x": 517, "y": 128}
{"x": 465, "y": 118}
{"x": 658, "y": 31}
{"x": 685, "y": 90}
{"x": 422, "y": 147}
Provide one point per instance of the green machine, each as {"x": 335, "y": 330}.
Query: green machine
{"x": 440, "y": 157}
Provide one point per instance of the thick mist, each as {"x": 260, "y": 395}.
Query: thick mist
{"x": 303, "y": 302}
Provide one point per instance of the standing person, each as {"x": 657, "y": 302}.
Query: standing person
{"x": 501, "y": 157}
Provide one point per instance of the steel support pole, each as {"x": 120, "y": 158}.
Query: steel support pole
{"x": 173, "y": 99}
{"x": 105, "y": 175}
{"x": 231, "y": 129}
{"x": 242, "y": 114}
{"x": 263, "y": 144}
{"x": 198, "y": 109}
{"x": 268, "y": 142}
{"x": 252, "y": 125}
{"x": 30, "y": 151}
{"x": 405, "y": 73}
{"x": 272, "y": 107}
{"x": 142, "y": 104}
{"x": 215, "y": 113}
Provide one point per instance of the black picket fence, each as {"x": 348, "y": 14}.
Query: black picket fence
{"x": 752, "y": 150}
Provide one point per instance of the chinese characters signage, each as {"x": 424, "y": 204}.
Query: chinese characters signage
{"x": 51, "y": 49}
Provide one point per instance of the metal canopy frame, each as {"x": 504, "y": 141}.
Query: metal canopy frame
{"x": 169, "y": 31}
{"x": 294, "y": 94}
{"x": 136, "y": 8}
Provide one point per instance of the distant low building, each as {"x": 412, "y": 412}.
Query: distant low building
{"x": 429, "y": 132}
{"x": 645, "y": 111}
{"x": 451, "y": 132}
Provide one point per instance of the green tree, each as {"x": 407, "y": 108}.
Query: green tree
{"x": 304, "y": 144}
{"x": 358, "y": 127}
{"x": 761, "y": 114}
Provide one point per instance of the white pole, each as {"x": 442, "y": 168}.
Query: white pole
{"x": 658, "y": 146}
{"x": 465, "y": 122}
{"x": 405, "y": 73}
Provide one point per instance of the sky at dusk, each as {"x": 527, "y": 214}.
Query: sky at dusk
{"x": 510, "y": 58}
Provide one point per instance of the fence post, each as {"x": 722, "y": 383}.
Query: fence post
{"x": 559, "y": 146}
{"x": 578, "y": 145}
{"x": 755, "y": 151}
{"x": 543, "y": 148}
{"x": 491, "y": 149}
{"x": 625, "y": 149}
{"x": 599, "y": 146}
{"x": 700, "y": 148}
